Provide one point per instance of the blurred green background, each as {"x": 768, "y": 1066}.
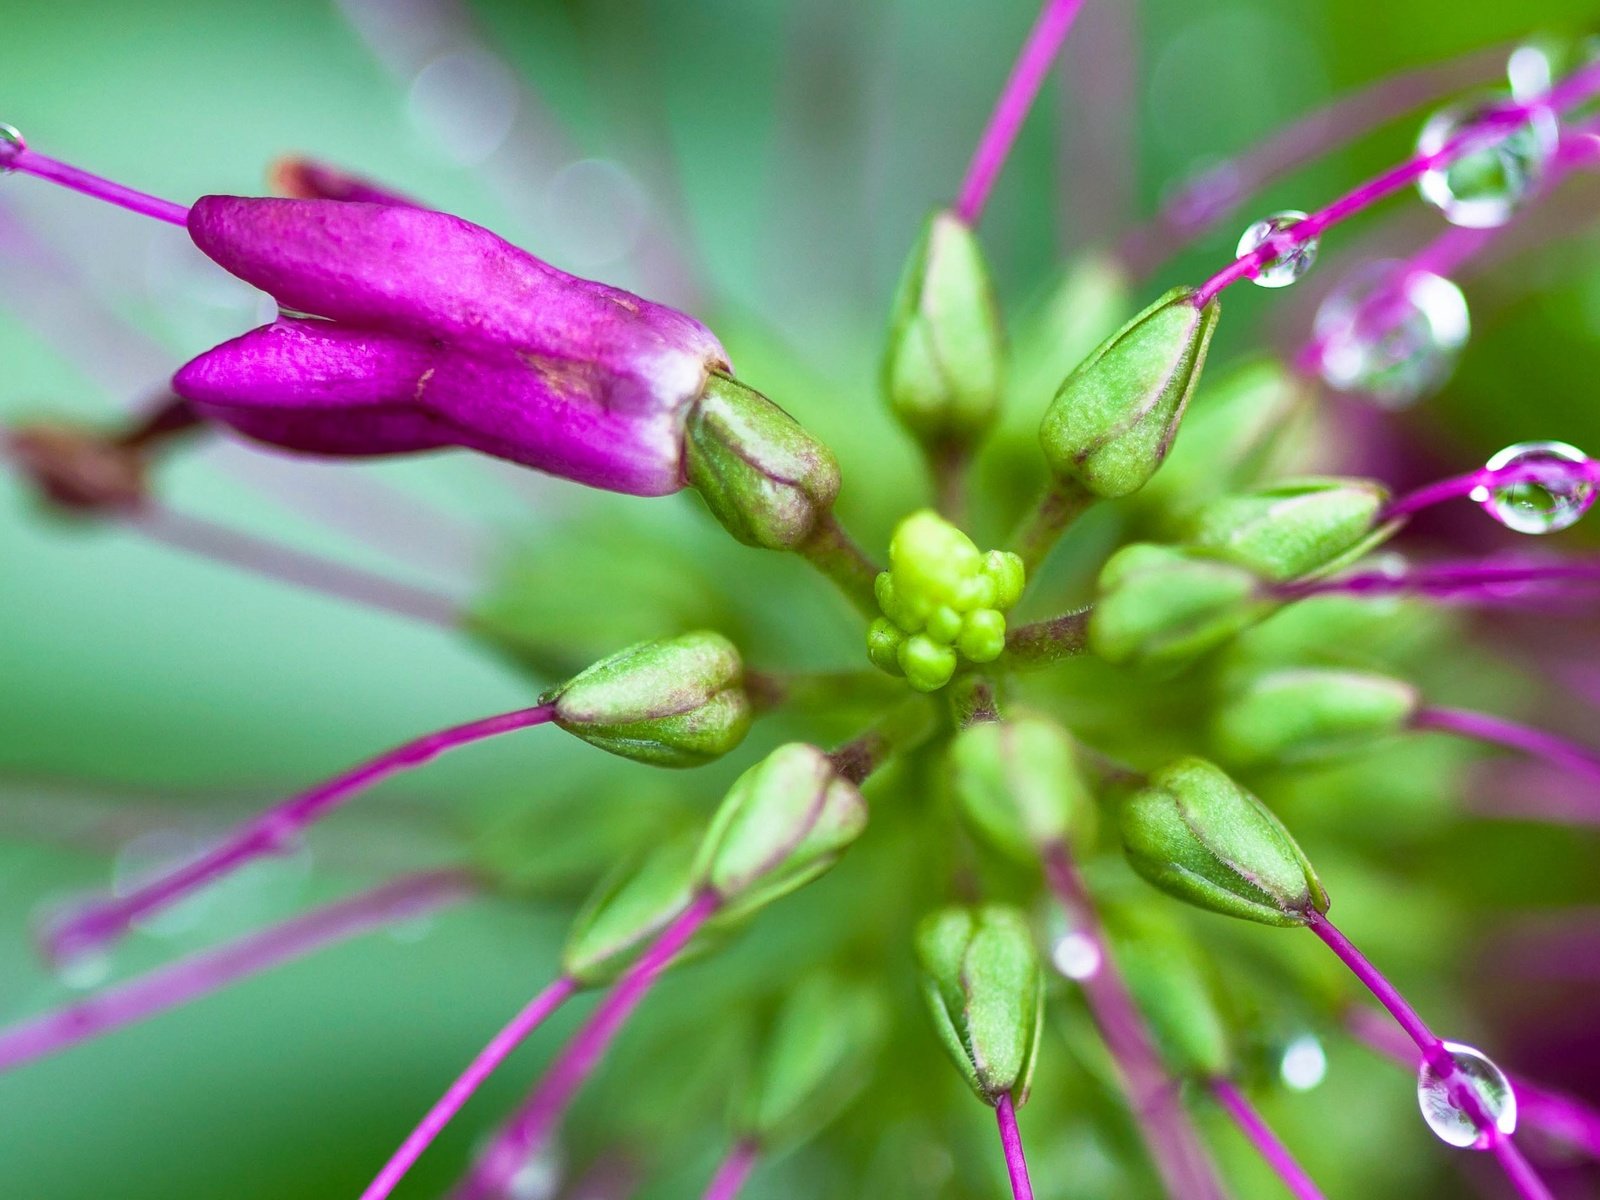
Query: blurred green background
{"x": 766, "y": 162}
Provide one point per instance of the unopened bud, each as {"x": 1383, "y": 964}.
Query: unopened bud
{"x": 1113, "y": 420}
{"x": 1199, "y": 836}
{"x": 1306, "y": 714}
{"x": 1292, "y": 529}
{"x": 1017, "y": 781}
{"x": 985, "y": 988}
{"x": 1173, "y": 987}
{"x": 760, "y": 473}
{"x": 946, "y": 346}
{"x": 628, "y": 911}
{"x": 676, "y": 702}
{"x": 784, "y": 822}
{"x": 1161, "y": 606}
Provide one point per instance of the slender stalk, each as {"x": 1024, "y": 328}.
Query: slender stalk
{"x": 201, "y": 974}
{"x": 1478, "y": 484}
{"x": 287, "y": 565}
{"x": 1267, "y": 1143}
{"x": 516, "y": 1031}
{"x": 1537, "y": 743}
{"x": 1436, "y": 1056}
{"x": 1175, "y": 1147}
{"x": 837, "y": 555}
{"x": 272, "y": 832}
{"x": 1043, "y": 43}
{"x": 902, "y": 728}
{"x": 1577, "y": 87}
{"x": 525, "y": 1133}
{"x": 30, "y": 162}
{"x": 1045, "y": 643}
{"x": 1061, "y": 505}
{"x": 947, "y": 472}
{"x": 733, "y": 1171}
{"x": 1471, "y": 580}
{"x": 1005, "y": 1115}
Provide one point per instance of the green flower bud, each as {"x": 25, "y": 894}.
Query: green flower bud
{"x": 1160, "y": 606}
{"x": 942, "y": 600}
{"x": 1017, "y": 782}
{"x": 1292, "y": 529}
{"x": 1173, "y": 990}
{"x": 676, "y": 702}
{"x": 817, "y": 1057}
{"x": 763, "y": 476}
{"x": 1306, "y": 714}
{"x": 946, "y": 346}
{"x": 1195, "y": 833}
{"x": 784, "y": 822}
{"x": 628, "y": 911}
{"x": 985, "y": 989}
{"x": 1113, "y": 420}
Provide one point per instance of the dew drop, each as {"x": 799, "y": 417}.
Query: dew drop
{"x": 1076, "y": 955}
{"x": 1557, "y": 489}
{"x": 1390, "y": 333}
{"x": 1304, "y": 1063}
{"x": 1484, "y": 187}
{"x": 11, "y": 145}
{"x": 1447, "y": 1118}
{"x": 1292, "y": 262}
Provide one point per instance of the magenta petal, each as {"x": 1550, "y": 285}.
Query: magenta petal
{"x": 307, "y": 364}
{"x": 344, "y": 433}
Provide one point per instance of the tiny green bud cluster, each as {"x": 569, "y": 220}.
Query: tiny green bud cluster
{"x": 942, "y": 600}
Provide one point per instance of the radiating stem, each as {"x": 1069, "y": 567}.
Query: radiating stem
{"x": 1267, "y": 1143}
{"x": 837, "y": 555}
{"x": 1005, "y": 1115}
{"x": 1478, "y": 484}
{"x": 1469, "y": 580}
{"x": 1174, "y": 1145}
{"x": 211, "y": 970}
{"x": 516, "y": 1031}
{"x": 733, "y": 1171}
{"x": 1482, "y": 727}
{"x": 30, "y": 162}
{"x": 273, "y": 832}
{"x": 1043, "y": 43}
{"x": 1045, "y": 643}
{"x": 1061, "y": 505}
{"x": 525, "y": 1133}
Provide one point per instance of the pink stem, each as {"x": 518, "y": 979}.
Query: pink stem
{"x": 1482, "y": 727}
{"x": 1005, "y": 1115}
{"x": 1436, "y": 1056}
{"x": 1043, "y": 43}
{"x": 1575, "y": 88}
{"x": 1465, "y": 580}
{"x": 274, "y": 831}
{"x": 1267, "y": 1144}
{"x": 1174, "y": 1145}
{"x": 534, "y": 1014}
{"x": 1549, "y": 473}
{"x": 207, "y": 972}
{"x": 732, "y": 1172}
{"x": 284, "y": 564}
{"x": 525, "y": 1133}
{"x": 30, "y": 162}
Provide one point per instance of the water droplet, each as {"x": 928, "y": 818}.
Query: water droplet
{"x": 1556, "y": 490}
{"x": 1529, "y": 71}
{"x": 1289, "y": 264}
{"x": 1076, "y": 955}
{"x": 1390, "y": 332}
{"x": 11, "y": 145}
{"x": 1304, "y": 1063}
{"x": 1483, "y": 187}
{"x": 1448, "y": 1119}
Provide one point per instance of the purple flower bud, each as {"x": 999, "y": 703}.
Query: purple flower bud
{"x": 439, "y": 333}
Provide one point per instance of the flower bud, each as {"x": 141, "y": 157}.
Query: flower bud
{"x": 302, "y": 178}
{"x": 1113, "y": 420}
{"x": 628, "y": 911}
{"x": 1017, "y": 782}
{"x": 675, "y": 702}
{"x": 985, "y": 989}
{"x": 763, "y": 476}
{"x": 946, "y": 346}
{"x": 817, "y": 1057}
{"x": 1196, "y": 834}
{"x": 1160, "y": 606}
{"x": 1292, "y": 529}
{"x": 1305, "y": 714}
{"x": 784, "y": 822}
{"x": 1172, "y": 987}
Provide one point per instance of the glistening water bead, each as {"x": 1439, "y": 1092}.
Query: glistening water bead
{"x": 1390, "y": 332}
{"x": 1448, "y": 1119}
{"x": 1292, "y": 262}
{"x": 1552, "y": 502}
{"x": 1482, "y": 189}
{"x": 11, "y": 145}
